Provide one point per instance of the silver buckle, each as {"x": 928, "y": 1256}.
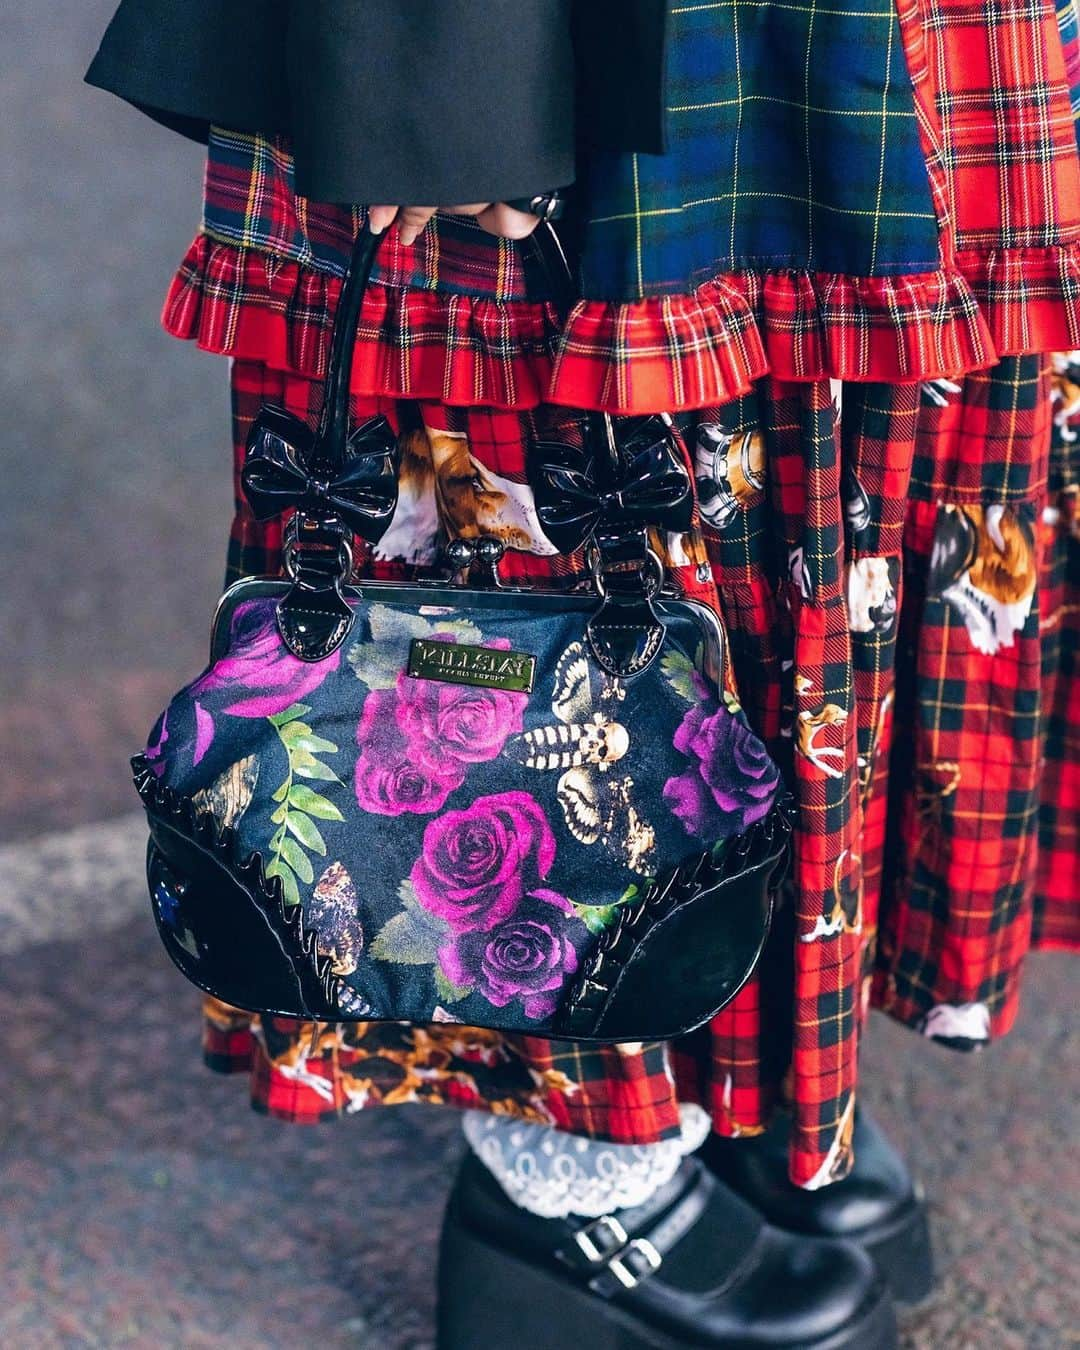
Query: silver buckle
{"x": 622, "y": 1270}
{"x": 614, "y": 1239}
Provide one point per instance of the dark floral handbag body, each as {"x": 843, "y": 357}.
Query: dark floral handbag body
{"x": 514, "y": 808}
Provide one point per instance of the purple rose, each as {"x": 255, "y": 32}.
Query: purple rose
{"x": 393, "y": 774}
{"x": 467, "y": 723}
{"x": 155, "y": 745}
{"x": 163, "y": 750}
{"x": 527, "y": 957}
{"x": 478, "y": 863}
{"x": 259, "y": 660}
{"x": 204, "y": 732}
{"x": 731, "y": 783}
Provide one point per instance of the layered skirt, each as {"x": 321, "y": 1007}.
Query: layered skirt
{"x": 846, "y": 280}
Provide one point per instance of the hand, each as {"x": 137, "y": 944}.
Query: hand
{"x": 495, "y": 217}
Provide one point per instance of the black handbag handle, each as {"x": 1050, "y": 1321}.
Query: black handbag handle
{"x": 334, "y": 419}
{"x": 604, "y": 493}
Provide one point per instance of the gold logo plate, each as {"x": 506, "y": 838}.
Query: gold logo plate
{"x": 459, "y": 663}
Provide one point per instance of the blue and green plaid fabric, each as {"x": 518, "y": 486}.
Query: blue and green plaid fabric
{"x": 793, "y": 143}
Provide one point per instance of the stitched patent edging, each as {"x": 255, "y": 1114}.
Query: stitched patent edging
{"x": 319, "y": 986}
{"x": 596, "y": 982}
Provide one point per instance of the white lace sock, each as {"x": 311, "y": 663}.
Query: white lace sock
{"x": 555, "y": 1174}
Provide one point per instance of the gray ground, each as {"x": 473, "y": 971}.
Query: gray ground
{"x": 141, "y": 1203}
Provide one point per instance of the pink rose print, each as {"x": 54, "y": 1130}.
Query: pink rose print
{"x": 416, "y": 739}
{"x": 395, "y": 774}
{"x": 478, "y": 863}
{"x": 259, "y": 661}
{"x": 204, "y": 732}
{"x": 466, "y": 723}
{"x": 163, "y": 750}
{"x": 527, "y": 957}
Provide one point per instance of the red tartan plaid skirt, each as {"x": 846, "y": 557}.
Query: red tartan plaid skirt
{"x": 853, "y": 542}
{"x": 896, "y": 561}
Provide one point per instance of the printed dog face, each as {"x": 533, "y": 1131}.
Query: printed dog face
{"x": 474, "y": 500}
{"x": 444, "y": 490}
{"x": 983, "y": 563}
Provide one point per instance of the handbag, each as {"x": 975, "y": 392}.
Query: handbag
{"x": 514, "y": 807}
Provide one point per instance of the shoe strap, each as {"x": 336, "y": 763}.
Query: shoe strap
{"x": 617, "y": 1251}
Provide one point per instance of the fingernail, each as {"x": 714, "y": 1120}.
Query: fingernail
{"x": 375, "y": 227}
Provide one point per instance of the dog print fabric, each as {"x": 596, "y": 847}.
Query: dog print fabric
{"x": 851, "y": 481}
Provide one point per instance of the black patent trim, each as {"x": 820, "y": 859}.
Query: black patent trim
{"x": 597, "y": 982}
{"x": 522, "y": 598}
{"x": 313, "y": 971}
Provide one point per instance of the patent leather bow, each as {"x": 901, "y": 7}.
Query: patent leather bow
{"x": 284, "y": 468}
{"x": 639, "y": 478}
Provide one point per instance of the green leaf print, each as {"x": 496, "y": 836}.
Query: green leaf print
{"x": 405, "y": 943}
{"x": 447, "y": 992}
{"x": 298, "y": 803}
{"x": 292, "y": 854}
{"x": 306, "y": 831}
{"x": 307, "y": 766}
{"x": 598, "y": 917}
{"x": 305, "y": 799}
{"x": 290, "y": 890}
{"x": 679, "y": 672}
{"x": 289, "y": 715}
{"x": 413, "y": 937}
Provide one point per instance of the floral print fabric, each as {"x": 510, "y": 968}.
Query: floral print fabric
{"x": 458, "y": 848}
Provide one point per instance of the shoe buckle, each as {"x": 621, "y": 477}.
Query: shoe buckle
{"x": 604, "y": 1237}
{"x": 636, "y": 1262}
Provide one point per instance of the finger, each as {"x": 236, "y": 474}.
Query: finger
{"x": 381, "y": 218}
{"x": 472, "y": 209}
{"x": 412, "y": 220}
{"x": 507, "y": 222}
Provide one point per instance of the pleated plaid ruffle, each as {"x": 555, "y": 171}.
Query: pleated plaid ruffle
{"x": 452, "y": 318}
{"x": 993, "y": 94}
{"x": 685, "y": 351}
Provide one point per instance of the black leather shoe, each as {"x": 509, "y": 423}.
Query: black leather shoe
{"x": 878, "y": 1205}
{"x": 693, "y": 1266}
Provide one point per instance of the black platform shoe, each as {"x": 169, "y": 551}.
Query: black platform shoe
{"x": 694, "y": 1266}
{"x": 878, "y": 1205}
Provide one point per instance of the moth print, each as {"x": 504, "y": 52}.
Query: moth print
{"x": 585, "y": 747}
{"x": 729, "y": 469}
{"x": 331, "y": 911}
{"x": 229, "y": 795}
